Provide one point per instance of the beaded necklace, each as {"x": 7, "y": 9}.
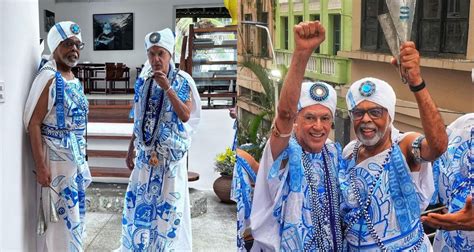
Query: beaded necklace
{"x": 324, "y": 212}
{"x": 364, "y": 206}
{"x": 152, "y": 114}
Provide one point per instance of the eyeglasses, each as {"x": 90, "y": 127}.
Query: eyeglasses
{"x": 69, "y": 43}
{"x": 374, "y": 113}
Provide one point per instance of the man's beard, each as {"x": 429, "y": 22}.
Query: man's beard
{"x": 70, "y": 61}
{"x": 378, "y": 133}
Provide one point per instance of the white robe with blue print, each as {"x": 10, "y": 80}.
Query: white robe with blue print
{"x": 382, "y": 210}
{"x": 455, "y": 181}
{"x": 156, "y": 214}
{"x": 281, "y": 212}
{"x": 242, "y": 193}
{"x": 70, "y": 174}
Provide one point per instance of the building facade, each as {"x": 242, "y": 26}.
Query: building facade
{"x": 443, "y": 32}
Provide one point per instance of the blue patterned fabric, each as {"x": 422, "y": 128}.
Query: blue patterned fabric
{"x": 394, "y": 204}
{"x": 63, "y": 136}
{"x": 156, "y": 214}
{"x": 295, "y": 207}
{"x": 454, "y": 182}
{"x": 242, "y": 194}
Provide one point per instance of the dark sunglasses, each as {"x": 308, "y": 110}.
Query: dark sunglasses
{"x": 374, "y": 113}
{"x": 69, "y": 43}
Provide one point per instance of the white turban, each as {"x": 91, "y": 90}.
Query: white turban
{"x": 373, "y": 90}
{"x": 163, "y": 38}
{"x": 62, "y": 31}
{"x": 318, "y": 93}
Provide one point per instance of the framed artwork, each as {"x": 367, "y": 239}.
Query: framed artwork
{"x": 49, "y": 20}
{"x": 113, "y": 31}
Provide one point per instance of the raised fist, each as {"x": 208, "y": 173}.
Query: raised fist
{"x": 308, "y": 35}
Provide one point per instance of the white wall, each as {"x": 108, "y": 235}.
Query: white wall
{"x": 19, "y": 48}
{"x": 148, "y": 15}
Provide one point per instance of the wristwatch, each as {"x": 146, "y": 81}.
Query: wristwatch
{"x": 416, "y": 149}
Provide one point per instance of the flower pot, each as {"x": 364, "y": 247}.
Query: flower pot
{"x": 222, "y": 187}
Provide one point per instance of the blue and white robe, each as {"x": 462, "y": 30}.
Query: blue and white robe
{"x": 64, "y": 148}
{"x": 281, "y": 217}
{"x": 454, "y": 177}
{"x": 242, "y": 194}
{"x": 156, "y": 215}
{"x": 398, "y": 198}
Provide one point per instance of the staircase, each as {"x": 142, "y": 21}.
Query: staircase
{"x": 109, "y": 132}
{"x": 107, "y": 145}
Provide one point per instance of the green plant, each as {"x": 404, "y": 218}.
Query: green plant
{"x": 253, "y": 132}
{"x": 225, "y": 162}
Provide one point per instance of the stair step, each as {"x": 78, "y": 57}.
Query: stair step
{"x": 109, "y": 130}
{"x": 109, "y": 144}
{"x": 110, "y": 172}
{"x": 106, "y": 153}
{"x": 109, "y": 137}
{"x": 110, "y": 111}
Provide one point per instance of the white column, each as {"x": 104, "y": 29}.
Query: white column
{"x": 19, "y": 51}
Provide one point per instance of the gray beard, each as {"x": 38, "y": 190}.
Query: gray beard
{"x": 68, "y": 62}
{"x": 371, "y": 142}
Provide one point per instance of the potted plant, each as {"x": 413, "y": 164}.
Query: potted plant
{"x": 224, "y": 163}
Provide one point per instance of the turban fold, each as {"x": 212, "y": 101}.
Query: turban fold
{"x": 318, "y": 93}
{"x": 163, "y": 38}
{"x": 373, "y": 90}
{"x": 62, "y": 31}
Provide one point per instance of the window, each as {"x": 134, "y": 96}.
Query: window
{"x": 284, "y": 35}
{"x": 248, "y": 38}
{"x": 336, "y": 34}
{"x": 298, "y": 19}
{"x": 262, "y": 33}
{"x": 440, "y": 27}
{"x": 314, "y": 17}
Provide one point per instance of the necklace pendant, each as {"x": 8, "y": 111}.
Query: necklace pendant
{"x": 153, "y": 159}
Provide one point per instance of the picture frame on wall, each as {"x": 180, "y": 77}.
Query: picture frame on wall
{"x": 49, "y": 20}
{"x": 113, "y": 31}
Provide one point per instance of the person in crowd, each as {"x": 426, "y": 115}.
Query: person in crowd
{"x": 167, "y": 112}
{"x": 388, "y": 179}
{"x": 296, "y": 200}
{"x": 55, "y": 117}
{"x": 454, "y": 180}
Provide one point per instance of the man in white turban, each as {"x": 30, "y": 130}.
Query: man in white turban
{"x": 55, "y": 116}
{"x": 296, "y": 200}
{"x": 156, "y": 215}
{"x": 388, "y": 180}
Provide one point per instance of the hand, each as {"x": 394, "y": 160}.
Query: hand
{"x": 162, "y": 79}
{"x": 410, "y": 63}
{"x": 43, "y": 175}
{"x": 460, "y": 220}
{"x": 308, "y": 36}
{"x": 130, "y": 159}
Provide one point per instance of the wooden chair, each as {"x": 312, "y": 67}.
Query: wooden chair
{"x": 78, "y": 72}
{"x": 109, "y": 75}
{"x": 122, "y": 73}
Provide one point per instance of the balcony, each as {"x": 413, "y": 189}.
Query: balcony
{"x": 332, "y": 69}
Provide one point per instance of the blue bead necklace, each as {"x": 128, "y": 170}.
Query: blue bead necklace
{"x": 364, "y": 206}
{"x": 324, "y": 212}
